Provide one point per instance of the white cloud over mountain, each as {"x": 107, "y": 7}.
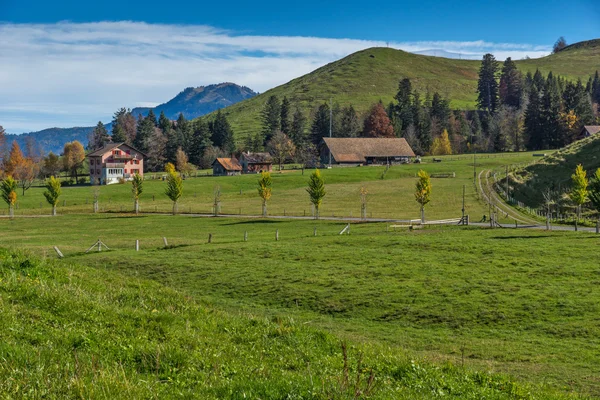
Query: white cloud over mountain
{"x": 70, "y": 74}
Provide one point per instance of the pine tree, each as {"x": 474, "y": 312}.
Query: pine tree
{"x": 487, "y": 86}
{"x": 316, "y": 191}
{"x": 533, "y": 121}
{"x": 511, "y": 85}
{"x": 99, "y": 137}
{"x": 200, "y": 141}
{"x": 284, "y": 116}
{"x": 595, "y": 89}
{"x": 52, "y": 193}
{"x": 183, "y": 133}
{"x": 222, "y": 134}
{"x": 440, "y": 109}
{"x": 349, "y": 123}
{"x": 270, "y": 117}
{"x": 320, "y": 125}
{"x": 298, "y": 128}
{"x": 145, "y": 129}
{"x": 404, "y": 109}
{"x": 123, "y": 126}
{"x": 553, "y": 129}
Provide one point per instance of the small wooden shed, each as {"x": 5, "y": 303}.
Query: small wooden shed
{"x": 226, "y": 167}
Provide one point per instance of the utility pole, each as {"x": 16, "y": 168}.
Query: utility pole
{"x": 474, "y": 169}
{"x": 330, "y": 125}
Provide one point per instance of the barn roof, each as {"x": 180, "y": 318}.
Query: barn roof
{"x": 358, "y": 149}
{"x": 592, "y": 129}
{"x": 230, "y": 164}
{"x": 258, "y": 158}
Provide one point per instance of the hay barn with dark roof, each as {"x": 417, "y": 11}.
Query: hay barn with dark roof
{"x": 365, "y": 151}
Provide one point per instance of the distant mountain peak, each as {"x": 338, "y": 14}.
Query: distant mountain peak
{"x": 194, "y": 102}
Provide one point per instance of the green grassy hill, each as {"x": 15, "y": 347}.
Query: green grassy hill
{"x": 368, "y": 76}
{"x": 69, "y": 331}
{"x": 554, "y": 171}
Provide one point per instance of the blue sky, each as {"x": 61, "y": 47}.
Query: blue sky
{"x": 71, "y": 63}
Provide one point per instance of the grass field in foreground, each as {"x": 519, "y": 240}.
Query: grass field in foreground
{"x": 69, "y": 331}
{"x": 513, "y": 301}
{"x": 390, "y": 197}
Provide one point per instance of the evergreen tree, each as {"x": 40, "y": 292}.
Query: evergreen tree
{"x": 487, "y": 86}
{"x": 284, "y": 116}
{"x": 349, "y": 123}
{"x": 151, "y": 117}
{"x": 552, "y": 125}
{"x": 145, "y": 129}
{"x": 538, "y": 81}
{"x": 183, "y": 133}
{"x": 440, "y": 109}
{"x": 320, "y": 125}
{"x": 222, "y": 134}
{"x": 576, "y": 99}
{"x": 476, "y": 130}
{"x": 270, "y": 117}
{"x": 99, "y": 137}
{"x": 511, "y": 85}
{"x": 404, "y": 107}
{"x": 533, "y": 121}
{"x": 298, "y": 128}
{"x": 123, "y": 126}
{"x": 164, "y": 123}
{"x": 595, "y": 89}
{"x": 200, "y": 141}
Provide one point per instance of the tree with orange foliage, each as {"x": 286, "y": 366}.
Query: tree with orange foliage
{"x": 377, "y": 123}
{"x": 23, "y": 169}
{"x": 73, "y": 157}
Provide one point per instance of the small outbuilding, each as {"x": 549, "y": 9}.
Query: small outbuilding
{"x": 256, "y": 162}
{"x": 589, "y": 130}
{"x": 226, "y": 167}
{"x": 365, "y": 151}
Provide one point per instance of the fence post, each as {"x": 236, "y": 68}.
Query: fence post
{"x": 137, "y": 245}
{"x": 210, "y": 238}
{"x": 165, "y": 241}
{"x": 245, "y": 236}
{"x": 315, "y": 231}
{"x": 60, "y": 255}
{"x": 276, "y": 234}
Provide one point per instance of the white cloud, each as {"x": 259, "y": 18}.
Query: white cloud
{"x": 72, "y": 74}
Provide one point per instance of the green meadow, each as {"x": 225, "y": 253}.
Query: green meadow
{"x": 379, "y": 312}
{"x": 516, "y": 303}
{"x": 390, "y": 193}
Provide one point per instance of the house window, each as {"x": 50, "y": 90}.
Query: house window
{"x": 98, "y": 171}
{"x": 125, "y": 170}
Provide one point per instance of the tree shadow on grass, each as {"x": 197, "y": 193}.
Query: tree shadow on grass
{"x": 521, "y": 237}
{"x": 256, "y": 221}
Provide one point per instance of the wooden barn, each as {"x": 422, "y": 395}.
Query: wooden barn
{"x": 256, "y": 162}
{"x": 588, "y": 130}
{"x": 226, "y": 167}
{"x": 365, "y": 151}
